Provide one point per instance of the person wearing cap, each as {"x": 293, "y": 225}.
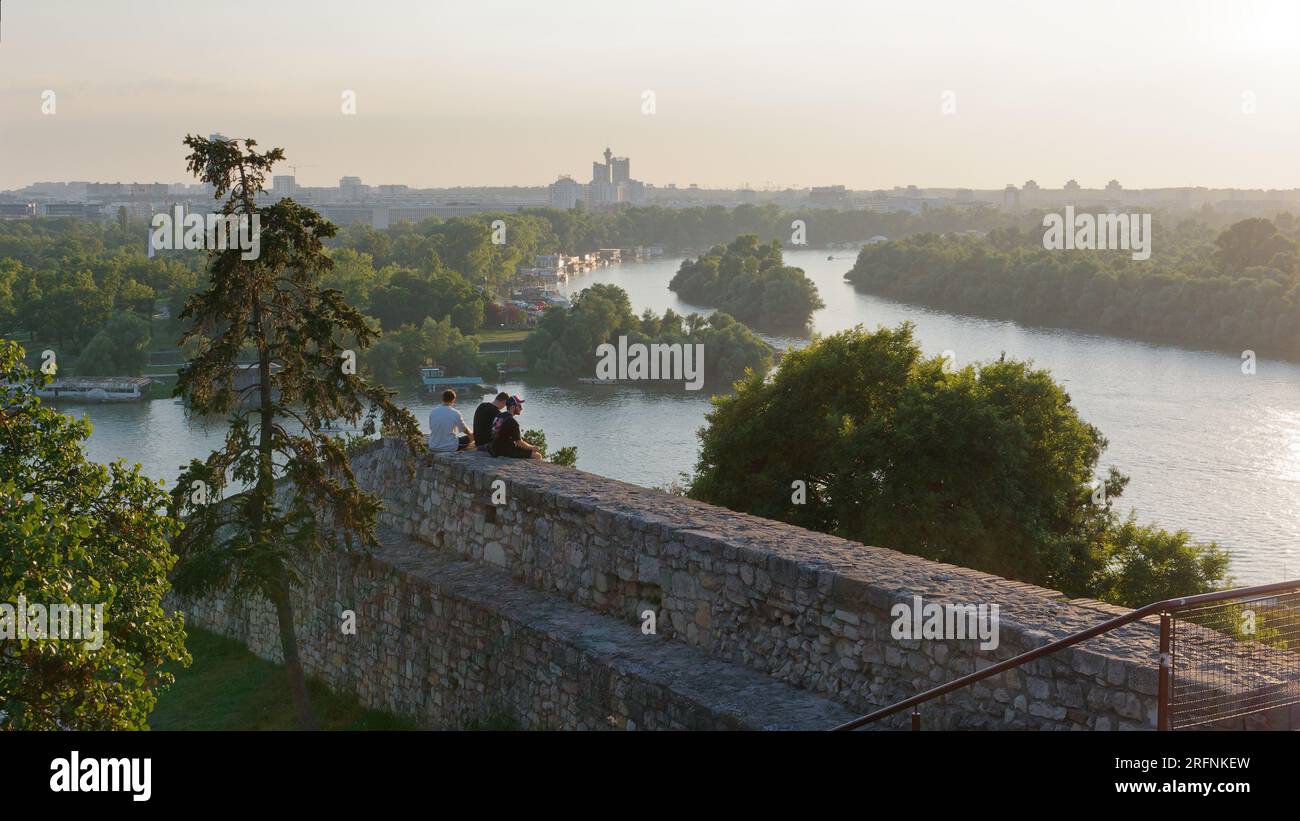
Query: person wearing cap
{"x": 506, "y": 438}
{"x": 447, "y": 429}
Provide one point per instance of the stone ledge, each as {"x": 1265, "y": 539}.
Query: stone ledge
{"x": 808, "y": 609}
{"x": 736, "y": 695}
{"x": 789, "y": 550}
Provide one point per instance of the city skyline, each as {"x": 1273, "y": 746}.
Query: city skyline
{"x": 803, "y": 95}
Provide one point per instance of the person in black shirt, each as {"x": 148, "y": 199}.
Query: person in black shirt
{"x": 506, "y": 438}
{"x": 484, "y": 416}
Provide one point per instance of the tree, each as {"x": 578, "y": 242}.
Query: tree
{"x": 1195, "y": 290}
{"x": 121, "y": 348}
{"x": 566, "y": 341}
{"x": 353, "y": 273}
{"x": 566, "y": 456}
{"x": 396, "y": 359}
{"x": 410, "y": 296}
{"x": 11, "y": 271}
{"x": 988, "y": 467}
{"x": 298, "y": 489}
{"x": 75, "y": 532}
{"x": 1255, "y": 243}
{"x": 750, "y": 281}
{"x": 72, "y": 309}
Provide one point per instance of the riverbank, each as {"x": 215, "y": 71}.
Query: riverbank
{"x": 1180, "y": 298}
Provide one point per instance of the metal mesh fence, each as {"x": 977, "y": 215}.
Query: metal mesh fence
{"x": 1234, "y": 658}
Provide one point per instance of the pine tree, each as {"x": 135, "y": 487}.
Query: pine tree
{"x": 295, "y": 488}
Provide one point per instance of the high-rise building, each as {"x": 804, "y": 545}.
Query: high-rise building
{"x": 611, "y": 183}
{"x": 620, "y": 169}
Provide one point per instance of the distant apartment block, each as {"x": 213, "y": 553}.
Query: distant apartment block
{"x": 828, "y": 196}
{"x": 565, "y": 193}
{"x": 84, "y": 210}
{"x": 284, "y": 185}
{"x": 351, "y": 189}
{"x": 133, "y": 191}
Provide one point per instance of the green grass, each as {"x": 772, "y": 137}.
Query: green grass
{"x": 503, "y": 335}
{"x": 229, "y": 688}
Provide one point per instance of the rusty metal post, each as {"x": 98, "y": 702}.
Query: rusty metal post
{"x": 916, "y": 719}
{"x": 1162, "y": 705}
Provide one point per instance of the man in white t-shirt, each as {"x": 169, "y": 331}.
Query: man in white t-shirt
{"x": 447, "y": 429}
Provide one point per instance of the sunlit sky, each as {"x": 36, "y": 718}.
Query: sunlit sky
{"x": 761, "y": 92}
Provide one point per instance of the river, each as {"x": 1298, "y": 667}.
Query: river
{"x": 1208, "y": 448}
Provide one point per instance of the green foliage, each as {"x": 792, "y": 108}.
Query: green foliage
{"x": 75, "y": 532}
{"x": 751, "y": 282}
{"x": 62, "y": 279}
{"x": 566, "y": 456}
{"x": 565, "y": 341}
{"x": 410, "y": 296}
{"x": 120, "y": 348}
{"x": 686, "y": 230}
{"x": 353, "y": 274}
{"x": 1239, "y": 290}
{"x": 396, "y": 358}
{"x": 67, "y": 309}
{"x": 296, "y": 487}
{"x": 229, "y": 688}
{"x": 462, "y": 244}
{"x": 10, "y": 271}
{"x": 1148, "y": 564}
{"x": 987, "y": 467}
{"x": 1255, "y": 243}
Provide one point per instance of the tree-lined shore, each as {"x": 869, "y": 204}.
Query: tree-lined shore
{"x": 1234, "y": 289}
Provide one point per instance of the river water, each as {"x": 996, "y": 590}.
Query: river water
{"x": 1208, "y": 448}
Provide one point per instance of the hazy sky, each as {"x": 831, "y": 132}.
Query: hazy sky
{"x": 479, "y": 92}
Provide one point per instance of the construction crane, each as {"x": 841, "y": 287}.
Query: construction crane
{"x": 295, "y": 168}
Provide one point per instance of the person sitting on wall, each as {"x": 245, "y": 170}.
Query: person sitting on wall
{"x": 447, "y": 429}
{"x": 506, "y": 438}
{"x": 486, "y": 414}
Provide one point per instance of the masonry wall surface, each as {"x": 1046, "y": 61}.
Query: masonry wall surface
{"x": 809, "y": 613}
{"x": 445, "y": 643}
{"x": 804, "y": 608}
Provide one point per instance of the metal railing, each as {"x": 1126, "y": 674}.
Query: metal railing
{"x": 1231, "y": 667}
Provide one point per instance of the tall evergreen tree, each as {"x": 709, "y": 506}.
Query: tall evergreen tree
{"x": 295, "y": 487}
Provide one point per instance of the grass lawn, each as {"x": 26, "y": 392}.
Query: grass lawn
{"x": 503, "y": 335}
{"x": 229, "y": 688}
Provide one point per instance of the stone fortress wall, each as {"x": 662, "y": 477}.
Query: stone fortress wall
{"x": 523, "y": 592}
